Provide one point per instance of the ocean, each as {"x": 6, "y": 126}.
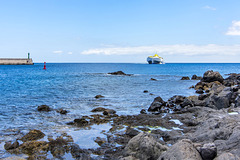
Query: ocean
{"x": 73, "y": 86}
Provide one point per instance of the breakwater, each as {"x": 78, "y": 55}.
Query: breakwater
{"x": 16, "y": 61}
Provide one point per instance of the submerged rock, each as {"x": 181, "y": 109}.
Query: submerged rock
{"x": 62, "y": 111}
{"x": 98, "y": 96}
{"x": 109, "y": 112}
{"x": 119, "y": 73}
{"x": 153, "y": 79}
{"x": 81, "y": 122}
{"x": 33, "y": 135}
{"x": 44, "y": 108}
{"x": 98, "y": 109}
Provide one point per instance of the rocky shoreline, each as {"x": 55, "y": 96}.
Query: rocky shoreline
{"x": 200, "y": 127}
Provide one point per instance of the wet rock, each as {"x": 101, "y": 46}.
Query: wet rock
{"x": 33, "y": 135}
{"x": 153, "y": 79}
{"x": 98, "y": 109}
{"x": 144, "y": 146}
{"x": 81, "y": 122}
{"x": 208, "y": 151}
{"x": 185, "y": 78}
{"x": 210, "y": 76}
{"x": 182, "y": 150}
{"x": 58, "y": 147}
{"x": 119, "y": 73}
{"x": 131, "y": 132}
{"x": 145, "y": 91}
{"x": 195, "y": 77}
{"x": 143, "y": 111}
{"x": 79, "y": 153}
{"x": 100, "y": 140}
{"x": 156, "y": 104}
{"x": 98, "y": 96}
{"x": 44, "y": 108}
{"x": 109, "y": 112}
{"x": 62, "y": 111}
{"x": 227, "y": 156}
{"x": 34, "y": 147}
{"x": 9, "y": 145}
{"x": 199, "y": 91}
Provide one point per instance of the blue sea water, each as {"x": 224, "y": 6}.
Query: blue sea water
{"x": 73, "y": 86}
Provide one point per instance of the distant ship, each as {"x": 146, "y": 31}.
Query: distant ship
{"x": 156, "y": 59}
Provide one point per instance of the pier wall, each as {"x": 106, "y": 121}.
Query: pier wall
{"x": 16, "y": 61}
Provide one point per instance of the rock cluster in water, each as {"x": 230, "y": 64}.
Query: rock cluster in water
{"x": 200, "y": 127}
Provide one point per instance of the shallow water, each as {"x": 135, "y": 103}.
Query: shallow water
{"x": 73, "y": 87}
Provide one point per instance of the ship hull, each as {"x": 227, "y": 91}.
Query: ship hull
{"x": 154, "y": 61}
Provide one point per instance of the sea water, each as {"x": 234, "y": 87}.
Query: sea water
{"x": 73, "y": 86}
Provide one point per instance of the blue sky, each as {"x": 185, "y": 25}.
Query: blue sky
{"x": 120, "y": 30}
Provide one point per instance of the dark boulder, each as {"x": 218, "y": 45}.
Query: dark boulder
{"x": 208, "y": 151}
{"x": 145, "y": 91}
{"x": 200, "y": 91}
{"x": 195, "y": 77}
{"x": 156, "y": 104}
{"x": 210, "y": 76}
{"x": 44, "y": 108}
{"x": 185, "y": 78}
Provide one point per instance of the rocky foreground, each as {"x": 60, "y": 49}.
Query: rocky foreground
{"x": 203, "y": 127}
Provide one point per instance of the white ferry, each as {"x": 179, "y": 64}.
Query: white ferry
{"x": 156, "y": 59}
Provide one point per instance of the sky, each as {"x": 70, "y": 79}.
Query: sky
{"x": 121, "y": 31}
